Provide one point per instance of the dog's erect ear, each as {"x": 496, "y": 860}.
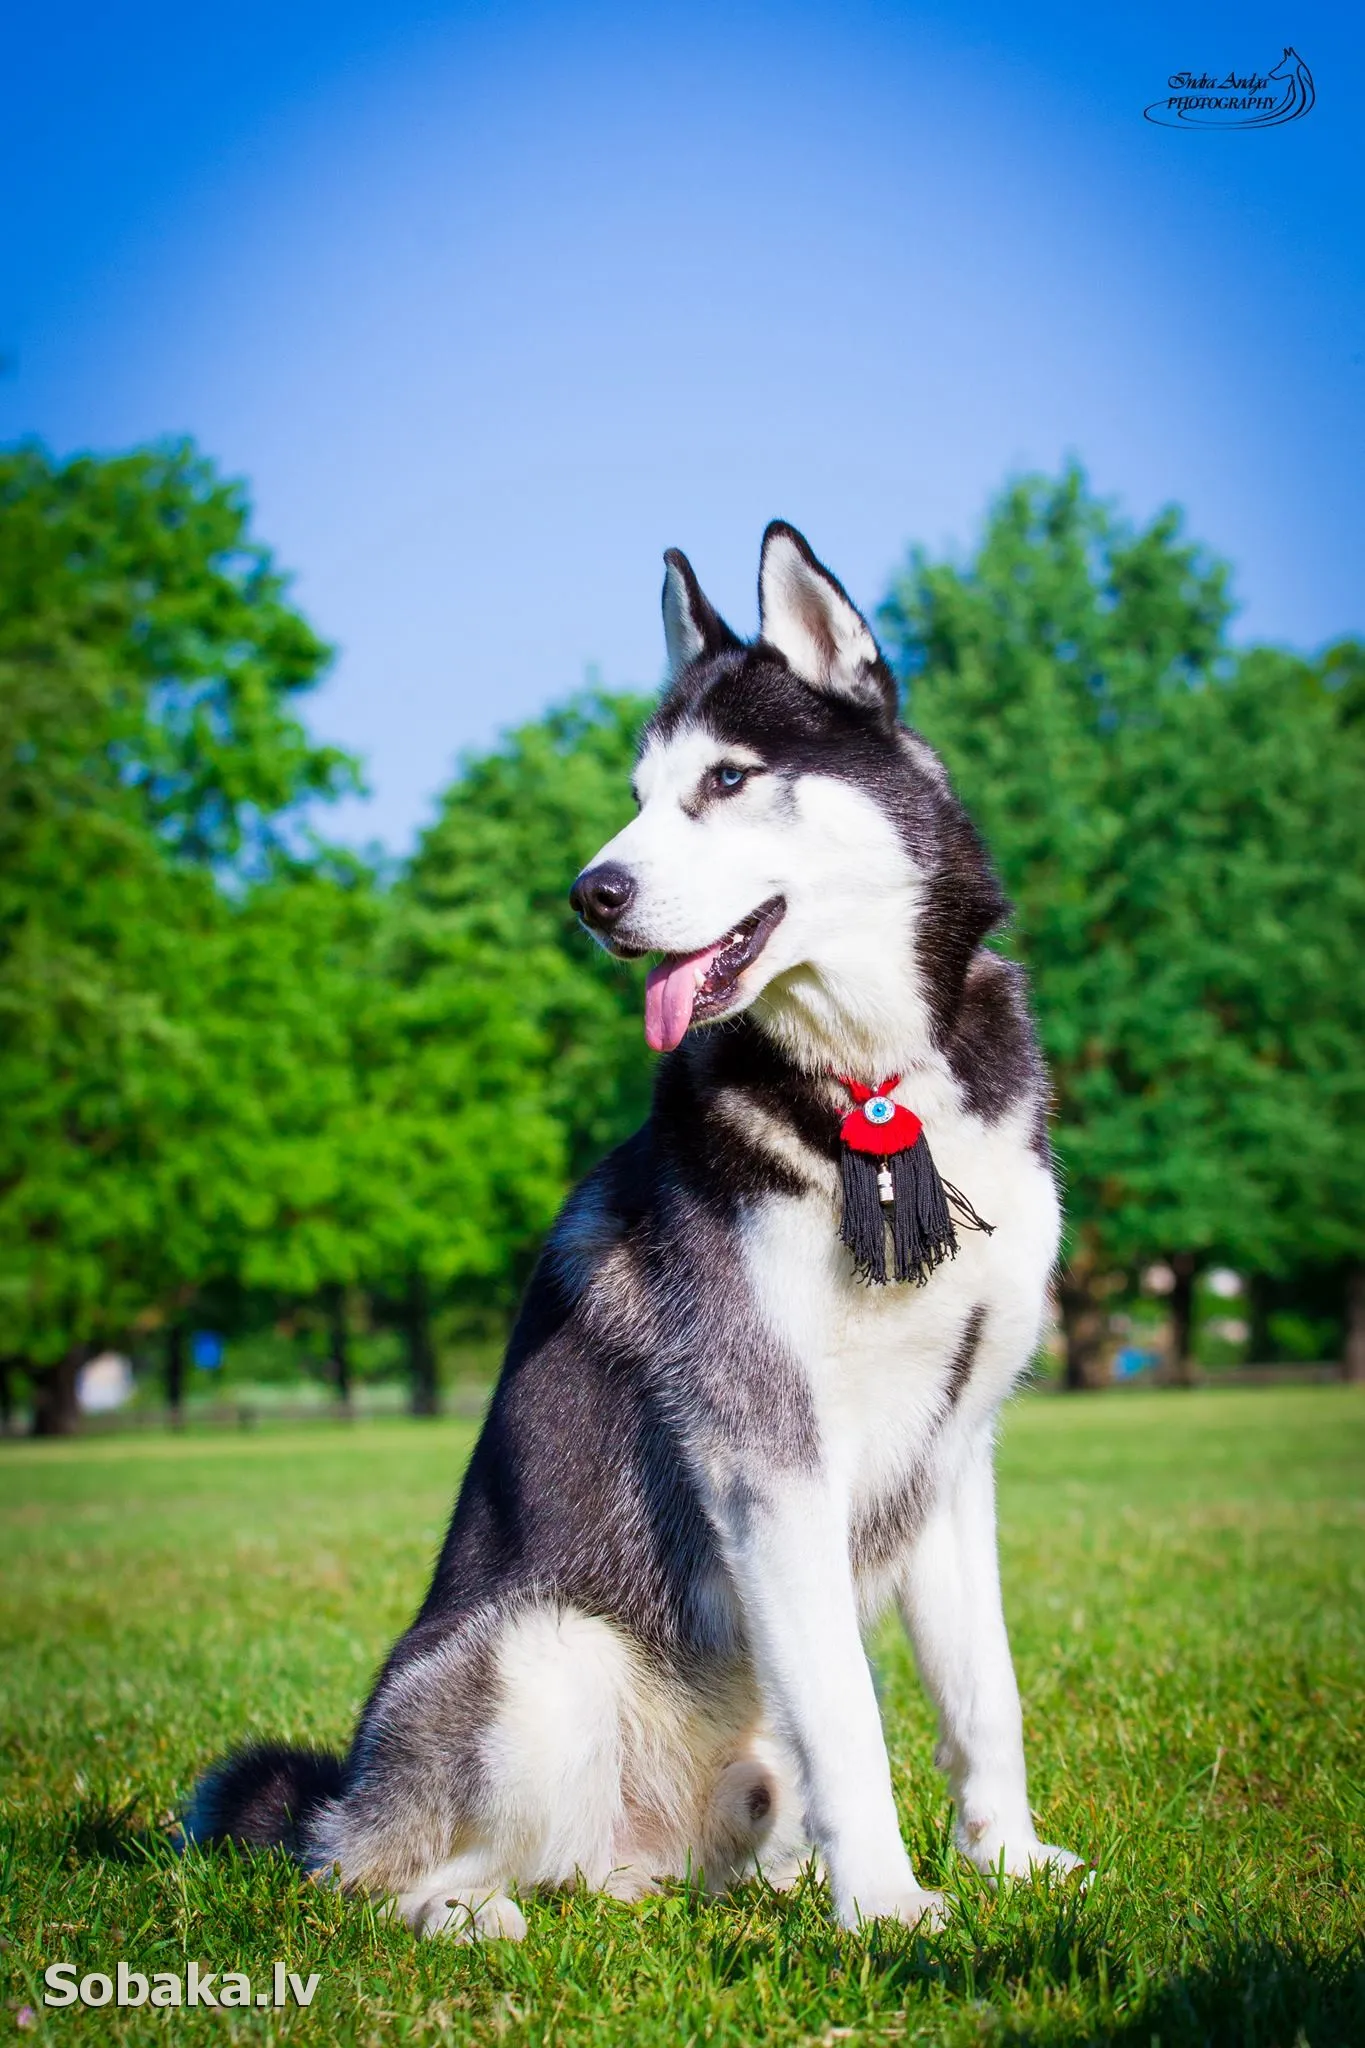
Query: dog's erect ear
{"x": 807, "y": 615}
{"x": 692, "y": 626}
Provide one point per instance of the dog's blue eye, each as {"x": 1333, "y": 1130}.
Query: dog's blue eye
{"x": 731, "y": 778}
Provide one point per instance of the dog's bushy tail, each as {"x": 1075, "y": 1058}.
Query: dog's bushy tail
{"x": 261, "y": 1797}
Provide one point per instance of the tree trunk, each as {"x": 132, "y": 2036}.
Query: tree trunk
{"x": 175, "y": 1374}
{"x": 1260, "y": 1349}
{"x": 1353, "y": 1358}
{"x": 54, "y": 1394}
{"x": 1085, "y": 1327}
{"x": 339, "y": 1337}
{"x": 7, "y": 1395}
{"x": 1183, "y": 1265}
{"x": 421, "y": 1349}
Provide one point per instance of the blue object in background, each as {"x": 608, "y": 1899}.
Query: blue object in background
{"x": 1131, "y": 1361}
{"x": 206, "y": 1349}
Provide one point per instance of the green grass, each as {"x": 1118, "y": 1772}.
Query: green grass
{"x": 1185, "y": 1579}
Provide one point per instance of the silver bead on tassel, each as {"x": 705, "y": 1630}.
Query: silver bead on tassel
{"x": 886, "y": 1194}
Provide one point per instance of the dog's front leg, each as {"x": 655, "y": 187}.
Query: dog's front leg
{"x": 788, "y": 1544}
{"x": 950, "y": 1601}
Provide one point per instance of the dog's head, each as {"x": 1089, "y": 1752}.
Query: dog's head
{"x": 796, "y": 848}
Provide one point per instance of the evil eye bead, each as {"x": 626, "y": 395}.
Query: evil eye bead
{"x": 879, "y": 1110}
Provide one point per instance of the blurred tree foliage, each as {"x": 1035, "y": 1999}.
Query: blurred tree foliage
{"x": 1180, "y": 829}
{"x": 514, "y": 829}
{"x": 242, "y": 1076}
{"x": 226, "y": 1060}
{"x": 148, "y": 754}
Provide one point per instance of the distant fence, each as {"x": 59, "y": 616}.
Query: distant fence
{"x": 1272, "y": 1375}
{"x": 1325, "y": 1372}
{"x": 467, "y": 1402}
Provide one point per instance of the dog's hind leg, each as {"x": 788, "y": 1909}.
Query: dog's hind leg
{"x": 950, "y": 1601}
{"x": 553, "y": 1751}
{"x": 492, "y": 1760}
{"x": 411, "y": 1822}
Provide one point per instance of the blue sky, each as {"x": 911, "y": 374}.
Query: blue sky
{"x": 492, "y": 304}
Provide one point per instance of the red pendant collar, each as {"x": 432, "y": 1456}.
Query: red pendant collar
{"x": 877, "y": 1124}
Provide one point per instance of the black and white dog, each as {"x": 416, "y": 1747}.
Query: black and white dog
{"x": 716, "y": 1452}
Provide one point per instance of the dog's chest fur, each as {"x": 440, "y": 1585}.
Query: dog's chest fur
{"x": 897, "y": 1374}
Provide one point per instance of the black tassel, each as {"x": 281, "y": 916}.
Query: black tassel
{"x": 863, "y": 1228}
{"x": 966, "y": 1214}
{"x": 920, "y": 1215}
{"x": 922, "y": 1233}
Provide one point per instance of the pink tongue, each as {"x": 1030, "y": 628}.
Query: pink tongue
{"x": 670, "y": 990}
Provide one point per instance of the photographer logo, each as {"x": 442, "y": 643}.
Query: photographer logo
{"x": 1236, "y": 99}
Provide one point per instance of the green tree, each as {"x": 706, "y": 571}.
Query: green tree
{"x": 149, "y": 754}
{"x": 1173, "y": 822}
{"x": 1268, "y": 846}
{"x": 455, "y": 1161}
{"x": 494, "y": 871}
{"x": 381, "y": 1121}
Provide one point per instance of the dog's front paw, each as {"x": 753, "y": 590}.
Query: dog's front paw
{"x": 1057, "y": 1862}
{"x": 628, "y": 1884}
{"x": 1012, "y": 1856}
{"x": 910, "y": 1904}
{"x": 472, "y": 1916}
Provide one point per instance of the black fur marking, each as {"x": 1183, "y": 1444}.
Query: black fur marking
{"x": 723, "y": 1162}
{"x": 884, "y": 1529}
{"x": 748, "y": 697}
{"x": 577, "y": 1491}
{"x": 993, "y": 1050}
{"x": 964, "y": 1358}
{"x": 963, "y": 901}
{"x": 261, "y": 1797}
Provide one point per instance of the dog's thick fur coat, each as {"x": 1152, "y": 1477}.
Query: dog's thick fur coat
{"x": 714, "y": 1454}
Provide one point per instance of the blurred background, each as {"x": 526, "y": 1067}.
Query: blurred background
{"x": 356, "y": 366}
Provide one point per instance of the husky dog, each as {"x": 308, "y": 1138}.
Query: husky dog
{"x": 716, "y": 1452}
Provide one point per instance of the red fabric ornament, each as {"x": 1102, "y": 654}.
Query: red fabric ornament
{"x": 887, "y": 1129}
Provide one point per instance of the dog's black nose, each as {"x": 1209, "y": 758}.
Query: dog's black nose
{"x": 602, "y": 896}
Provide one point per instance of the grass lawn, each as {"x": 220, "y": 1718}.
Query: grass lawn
{"x": 1185, "y": 1581}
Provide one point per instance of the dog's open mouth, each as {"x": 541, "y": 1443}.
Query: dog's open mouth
{"x": 689, "y": 988}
